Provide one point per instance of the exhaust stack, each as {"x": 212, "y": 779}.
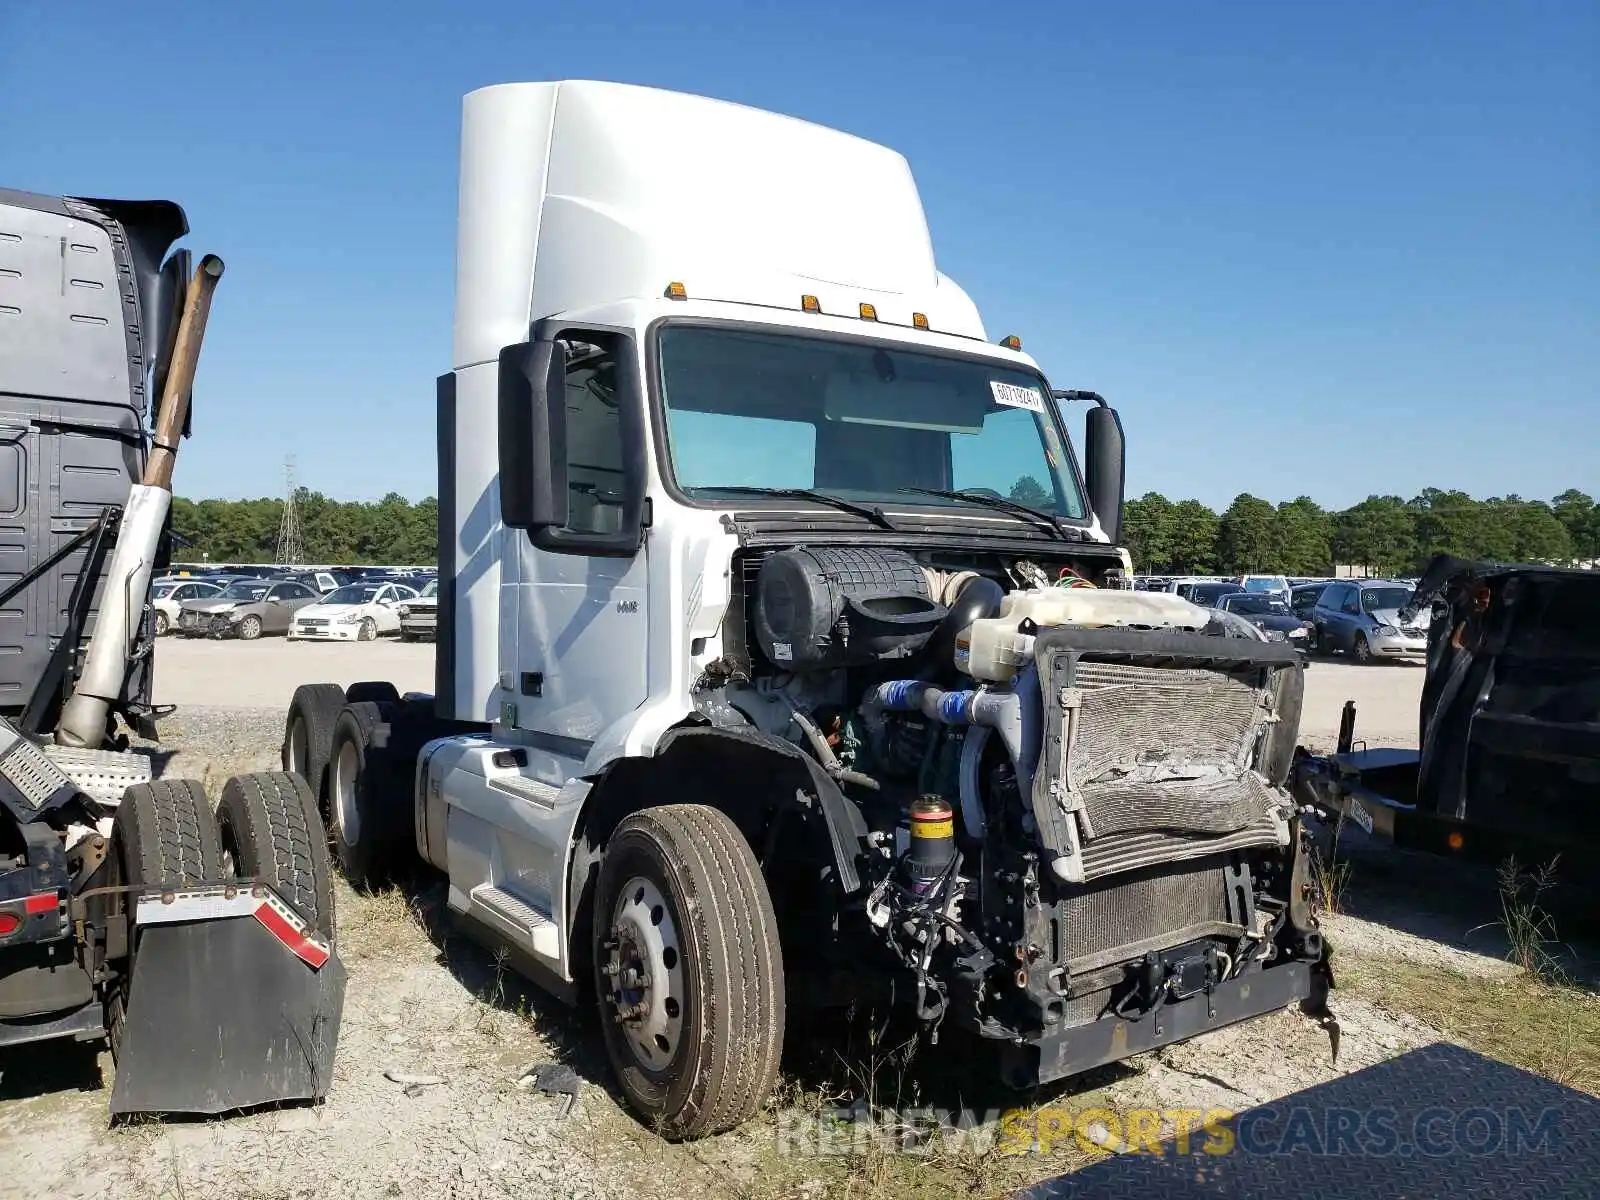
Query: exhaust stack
{"x": 116, "y": 631}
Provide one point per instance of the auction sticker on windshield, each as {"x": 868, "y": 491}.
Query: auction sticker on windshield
{"x": 1012, "y": 396}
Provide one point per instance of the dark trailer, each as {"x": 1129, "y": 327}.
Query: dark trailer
{"x": 1508, "y": 758}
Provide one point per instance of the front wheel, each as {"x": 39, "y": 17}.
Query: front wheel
{"x": 163, "y": 625}
{"x": 368, "y": 630}
{"x": 250, "y": 629}
{"x": 1361, "y": 650}
{"x": 688, "y": 970}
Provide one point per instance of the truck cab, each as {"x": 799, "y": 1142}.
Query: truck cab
{"x": 786, "y": 654}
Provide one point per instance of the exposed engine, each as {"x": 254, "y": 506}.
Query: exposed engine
{"x": 1074, "y": 793}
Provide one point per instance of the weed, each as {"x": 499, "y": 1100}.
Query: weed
{"x": 1330, "y": 875}
{"x": 1530, "y": 929}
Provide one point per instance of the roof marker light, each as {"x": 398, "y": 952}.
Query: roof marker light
{"x": 869, "y": 312}
{"x": 1011, "y": 342}
{"x": 810, "y": 304}
{"x": 676, "y": 291}
{"x": 920, "y": 320}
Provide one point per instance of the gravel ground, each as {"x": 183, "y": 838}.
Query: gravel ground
{"x": 422, "y": 1000}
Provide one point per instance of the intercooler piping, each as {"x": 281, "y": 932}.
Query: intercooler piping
{"x": 1014, "y": 715}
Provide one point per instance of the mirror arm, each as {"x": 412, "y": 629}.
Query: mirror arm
{"x": 1079, "y": 394}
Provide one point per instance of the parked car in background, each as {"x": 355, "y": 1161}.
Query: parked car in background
{"x": 1303, "y": 598}
{"x": 167, "y": 597}
{"x": 1210, "y": 595}
{"x": 1267, "y": 585}
{"x": 322, "y": 582}
{"x": 1361, "y": 618}
{"x": 357, "y": 612}
{"x": 419, "y": 617}
{"x": 245, "y": 609}
{"x": 1269, "y": 614}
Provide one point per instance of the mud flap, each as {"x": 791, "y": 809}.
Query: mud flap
{"x": 224, "y": 1014}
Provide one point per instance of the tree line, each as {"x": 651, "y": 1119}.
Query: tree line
{"x": 1385, "y": 535}
{"x": 390, "y": 531}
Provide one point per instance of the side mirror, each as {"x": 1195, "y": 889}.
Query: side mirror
{"x": 533, "y": 435}
{"x": 1105, "y": 461}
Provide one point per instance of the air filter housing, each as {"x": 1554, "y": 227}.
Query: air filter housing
{"x": 839, "y": 606}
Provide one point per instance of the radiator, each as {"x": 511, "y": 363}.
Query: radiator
{"x": 1151, "y": 746}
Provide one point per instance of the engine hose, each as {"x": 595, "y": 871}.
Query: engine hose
{"x": 825, "y": 755}
{"x": 1015, "y": 715}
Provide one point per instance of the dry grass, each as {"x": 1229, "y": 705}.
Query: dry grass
{"x": 1538, "y": 1019}
{"x": 387, "y": 924}
{"x": 1551, "y": 1029}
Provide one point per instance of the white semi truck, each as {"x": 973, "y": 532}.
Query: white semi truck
{"x": 785, "y": 654}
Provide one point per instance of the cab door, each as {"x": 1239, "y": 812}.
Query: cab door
{"x": 575, "y": 599}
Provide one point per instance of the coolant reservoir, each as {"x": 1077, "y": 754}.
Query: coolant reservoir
{"x": 992, "y": 649}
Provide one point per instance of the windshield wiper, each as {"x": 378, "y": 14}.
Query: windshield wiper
{"x": 1000, "y": 503}
{"x": 873, "y": 514}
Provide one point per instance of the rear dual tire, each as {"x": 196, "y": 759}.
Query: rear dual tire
{"x": 371, "y": 776}
{"x": 271, "y": 831}
{"x": 266, "y": 828}
{"x": 308, "y": 733}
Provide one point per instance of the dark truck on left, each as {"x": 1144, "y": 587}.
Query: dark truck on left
{"x": 197, "y": 938}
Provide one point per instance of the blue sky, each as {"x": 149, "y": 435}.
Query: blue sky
{"x": 1329, "y": 249}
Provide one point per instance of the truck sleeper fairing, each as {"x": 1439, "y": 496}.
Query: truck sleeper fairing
{"x": 88, "y": 312}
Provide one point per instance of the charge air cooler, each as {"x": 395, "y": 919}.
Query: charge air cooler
{"x": 1161, "y": 747}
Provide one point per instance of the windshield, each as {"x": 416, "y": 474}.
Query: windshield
{"x": 162, "y": 590}
{"x": 1210, "y": 593}
{"x": 778, "y": 410}
{"x": 242, "y": 591}
{"x": 432, "y": 589}
{"x": 1256, "y": 606}
{"x": 353, "y": 593}
{"x": 1373, "y": 599}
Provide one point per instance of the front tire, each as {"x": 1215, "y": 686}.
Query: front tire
{"x": 367, "y": 631}
{"x": 163, "y": 625}
{"x": 688, "y": 970}
{"x": 249, "y": 629}
{"x": 1361, "y": 650}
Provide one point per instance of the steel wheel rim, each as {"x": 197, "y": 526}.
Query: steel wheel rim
{"x": 345, "y": 770}
{"x": 644, "y": 970}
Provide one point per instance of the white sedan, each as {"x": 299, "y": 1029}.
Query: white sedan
{"x": 357, "y": 612}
